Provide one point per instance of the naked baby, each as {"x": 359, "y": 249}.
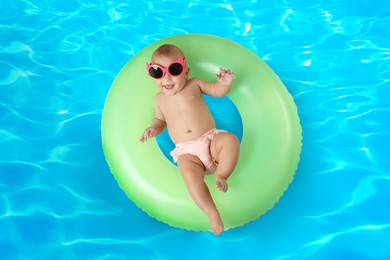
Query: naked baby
{"x": 201, "y": 149}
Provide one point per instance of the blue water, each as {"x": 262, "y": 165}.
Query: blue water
{"x": 57, "y": 61}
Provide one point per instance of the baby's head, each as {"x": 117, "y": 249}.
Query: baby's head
{"x": 168, "y": 69}
{"x": 167, "y": 50}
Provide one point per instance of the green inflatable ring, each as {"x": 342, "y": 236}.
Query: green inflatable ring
{"x": 270, "y": 146}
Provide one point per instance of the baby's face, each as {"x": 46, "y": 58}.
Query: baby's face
{"x": 170, "y": 85}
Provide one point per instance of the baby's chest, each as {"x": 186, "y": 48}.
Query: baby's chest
{"x": 183, "y": 105}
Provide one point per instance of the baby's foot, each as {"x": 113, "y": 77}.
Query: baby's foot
{"x": 220, "y": 183}
{"x": 216, "y": 224}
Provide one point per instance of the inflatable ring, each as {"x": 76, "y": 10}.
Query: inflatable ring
{"x": 270, "y": 146}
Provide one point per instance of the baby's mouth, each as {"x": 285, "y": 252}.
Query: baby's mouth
{"x": 169, "y": 86}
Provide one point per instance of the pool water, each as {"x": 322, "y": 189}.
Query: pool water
{"x": 57, "y": 61}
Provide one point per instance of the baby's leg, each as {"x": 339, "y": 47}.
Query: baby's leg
{"x": 225, "y": 149}
{"x": 193, "y": 174}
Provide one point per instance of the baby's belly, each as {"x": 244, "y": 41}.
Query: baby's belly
{"x": 185, "y": 133}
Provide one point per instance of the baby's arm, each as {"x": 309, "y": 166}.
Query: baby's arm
{"x": 219, "y": 88}
{"x": 158, "y": 124}
{"x": 155, "y": 129}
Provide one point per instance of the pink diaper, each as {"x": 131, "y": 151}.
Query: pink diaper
{"x": 200, "y": 147}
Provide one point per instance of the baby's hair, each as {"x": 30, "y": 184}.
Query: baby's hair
{"x": 168, "y": 50}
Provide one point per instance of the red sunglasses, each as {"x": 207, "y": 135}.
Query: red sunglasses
{"x": 175, "y": 68}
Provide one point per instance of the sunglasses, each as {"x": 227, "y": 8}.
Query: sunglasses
{"x": 175, "y": 68}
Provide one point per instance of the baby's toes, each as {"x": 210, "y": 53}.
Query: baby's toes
{"x": 221, "y": 186}
{"x": 224, "y": 188}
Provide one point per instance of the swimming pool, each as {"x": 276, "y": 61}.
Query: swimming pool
{"x": 58, "y": 60}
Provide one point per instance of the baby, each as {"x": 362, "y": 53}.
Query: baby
{"x": 200, "y": 148}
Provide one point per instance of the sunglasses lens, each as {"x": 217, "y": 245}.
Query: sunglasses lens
{"x": 175, "y": 69}
{"x": 155, "y": 72}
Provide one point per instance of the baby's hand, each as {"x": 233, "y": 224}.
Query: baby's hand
{"x": 148, "y": 133}
{"x": 225, "y": 77}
